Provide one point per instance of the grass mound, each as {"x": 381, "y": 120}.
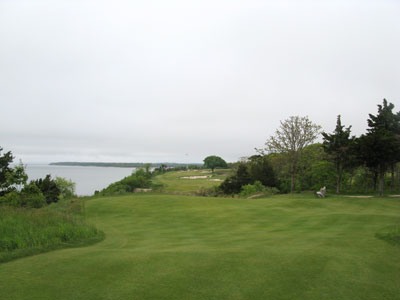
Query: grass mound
{"x": 390, "y": 234}
{"x": 26, "y": 232}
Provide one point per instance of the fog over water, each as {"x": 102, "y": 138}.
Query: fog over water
{"x": 87, "y": 179}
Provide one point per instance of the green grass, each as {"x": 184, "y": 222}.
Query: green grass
{"x": 391, "y": 234}
{"x": 174, "y": 183}
{"x": 25, "y": 232}
{"x": 185, "y": 247}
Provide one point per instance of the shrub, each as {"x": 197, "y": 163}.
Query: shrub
{"x": 234, "y": 183}
{"x": 32, "y": 196}
{"x": 214, "y": 191}
{"x": 49, "y": 188}
{"x": 11, "y": 199}
{"x": 140, "y": 179}
{"x": 66, "y": 187}
{"x": 257, "y": 168}
{"x": 257, "y": 187}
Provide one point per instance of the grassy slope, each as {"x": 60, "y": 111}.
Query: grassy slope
{"x": 180, "y": 247}
{"x": 173, "y": 183}
{"x": 25, "y": 232}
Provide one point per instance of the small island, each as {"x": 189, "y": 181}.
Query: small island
{"x": 122, "y": 165}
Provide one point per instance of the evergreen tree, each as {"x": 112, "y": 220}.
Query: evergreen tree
{"x": 338, "y": 146}
{"x": 379, "y": 148}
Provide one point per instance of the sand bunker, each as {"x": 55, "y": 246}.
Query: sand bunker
{"x": 195, "y": 177}
{"x": 216, "y": 179}
{"x": 359, "y": 197}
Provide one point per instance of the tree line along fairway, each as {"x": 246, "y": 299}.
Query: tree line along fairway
{"x": 182, "y": 247}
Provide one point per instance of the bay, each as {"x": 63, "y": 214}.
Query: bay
{"x": 87, "y": 179}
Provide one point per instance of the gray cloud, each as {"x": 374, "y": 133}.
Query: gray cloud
{"x": 154, "y": 80}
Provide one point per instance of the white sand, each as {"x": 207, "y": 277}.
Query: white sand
{"x": 359, "y": 196}
{"x": 195, "y": 177}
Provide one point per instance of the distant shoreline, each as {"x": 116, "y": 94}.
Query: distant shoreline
{"x": 120, "y": 165}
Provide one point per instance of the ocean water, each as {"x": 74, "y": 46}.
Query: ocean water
{"x": 87, "y": 179}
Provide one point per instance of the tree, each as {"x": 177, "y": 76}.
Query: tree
{"x": 66, "y": 187}
{"x": 5, "y": 161}
{"x": 233, "y": 184}
{"x": 261, "y": 170}
{"x": 312, "y": 163}
{"x": 10, "y": 177}
{"x": 338, "y": 146}
{"x": 293, "y": 135}
{"x": 48, "y": 187}
{"x": 213, "y": 162}
{"x": 379, "y": 148}
{"x": 256, "y": 168}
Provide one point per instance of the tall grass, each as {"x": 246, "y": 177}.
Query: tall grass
{"x": 30, "y": 231}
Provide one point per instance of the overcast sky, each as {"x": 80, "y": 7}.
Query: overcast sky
{"x": 133, "y": 81}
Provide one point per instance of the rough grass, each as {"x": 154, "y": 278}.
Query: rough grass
{"x": 174, "y": 183}
{"x": 182, "y": 247}
{"x": 25, "y": 232}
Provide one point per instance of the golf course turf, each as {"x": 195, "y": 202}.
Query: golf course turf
{"x": 184, "y": 247}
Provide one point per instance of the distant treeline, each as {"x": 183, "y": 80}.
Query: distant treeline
{"x": 123, "y": 165}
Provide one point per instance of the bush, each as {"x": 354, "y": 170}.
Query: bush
{"x": 214, "y": 191}
{"x": 256, "y": 188}
{"x": 48, "y": 187}
{"x": 139, "y": 179}
{"x": 11, "y": 199}
{"x": 234, "y": 183}
{"x": 66, "y": 187}
{"x": 256, "y": 169}
{"x": 34, "y": 200}
{"x": 261, "y": 170}
{"x": 30, "y": 196}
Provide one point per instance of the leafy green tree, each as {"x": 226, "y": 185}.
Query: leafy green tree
{"x": 10, "y": 177}
{"x": 213, "y": 162}
{"x": 322, "y": 174}
{"x": 379, "y": 148}
{"x": 17, "y": 176}
{"x": 147, "y": 169}
{"x": 311, "y": 156}
{"x": 66, "y": 187}
{"x": 293, "y": 135}
{"x": 338, "y": 146}
{"x": 5, "y": 161}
